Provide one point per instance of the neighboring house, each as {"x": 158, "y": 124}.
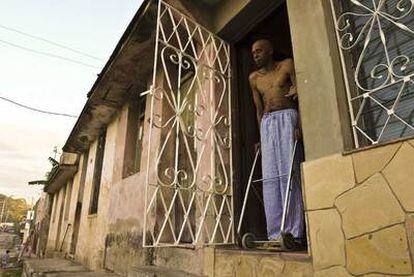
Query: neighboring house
{"x": 159, "y": 159}
{"x": 40, "y": 225}
{"x": 27, "y": 225}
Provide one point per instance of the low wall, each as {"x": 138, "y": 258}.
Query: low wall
{"x": 230, "y": 263}
{"x": 360, "y": 211}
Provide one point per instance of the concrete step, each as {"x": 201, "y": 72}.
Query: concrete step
{"x": 81, "y": 274}
{"x": 55, "y": 267}
{"x": 157, "y": 271}
{"x": 42, "y": 267}
{"x": 9, "y": 242}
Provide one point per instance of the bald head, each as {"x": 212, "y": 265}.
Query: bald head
{"x": 263, "y": 43}
{"x": 262, "y": 51}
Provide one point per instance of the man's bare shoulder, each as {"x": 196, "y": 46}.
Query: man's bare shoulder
{"x": 253, "y": 77}
{"x": 288, "y": 63}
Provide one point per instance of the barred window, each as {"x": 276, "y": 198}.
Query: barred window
{"x": 376, "y": 39}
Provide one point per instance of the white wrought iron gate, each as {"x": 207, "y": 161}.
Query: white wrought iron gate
{"x": 189, "y": 174}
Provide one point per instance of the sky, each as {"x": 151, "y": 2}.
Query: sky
{"x": 28, "y": 138}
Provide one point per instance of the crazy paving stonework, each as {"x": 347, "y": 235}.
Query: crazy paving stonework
{"x": 229, "y": 263}
{"x": 360, "y": 212}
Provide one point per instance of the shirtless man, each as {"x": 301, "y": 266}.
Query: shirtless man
{"x": 274, "y": 93}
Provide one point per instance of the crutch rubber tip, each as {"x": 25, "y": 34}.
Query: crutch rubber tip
{"x": 288, "y": 242}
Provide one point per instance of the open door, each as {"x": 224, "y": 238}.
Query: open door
{"x": 189, "y": 197}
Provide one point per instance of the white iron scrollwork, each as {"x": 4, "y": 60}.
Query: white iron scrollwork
{"x": 189, "y": 176}
{"x": 378, "y": 34}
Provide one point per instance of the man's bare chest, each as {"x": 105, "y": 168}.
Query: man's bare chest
{"x": 273, "y": 82}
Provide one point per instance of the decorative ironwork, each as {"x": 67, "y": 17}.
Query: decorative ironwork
{"x": 189, "y": 176}
{"x": 377, "y": 35}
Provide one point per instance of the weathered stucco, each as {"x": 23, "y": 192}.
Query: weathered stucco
{"x": 56, "y": 233}
{"x": 322, "y": 100}
{"x": 93, "y": 228}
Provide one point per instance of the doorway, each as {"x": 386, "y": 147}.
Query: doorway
{"x": 275, "y": 28}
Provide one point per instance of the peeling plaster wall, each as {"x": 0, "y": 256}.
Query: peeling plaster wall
{"x": 124, "y": 240}
{"x": 41, "y": 223}
{"x": 65, "y": 228}
{"x": 72, "y": 209}
{"x": 93, "y": 228}
{"x": 360, "y": 211}
{"x": 67, "y": 240}
{"x": 54, "y": 222}
{"x": 123, "y": 243}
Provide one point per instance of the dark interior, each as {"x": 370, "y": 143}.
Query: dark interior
{"x": 275, "y": 28}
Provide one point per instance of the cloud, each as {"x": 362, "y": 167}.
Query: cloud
{"x": 23, "y": 157}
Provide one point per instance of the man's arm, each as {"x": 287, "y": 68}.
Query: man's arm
{"x": 257, "y": 99}
{"x": 294, "y": 94}
{"x": 290, "y": 67}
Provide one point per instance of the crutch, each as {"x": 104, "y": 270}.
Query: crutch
{"x": 289, "y": 189}
{"x": 249, "y": 183}
{"x": 286, "y": 241}
{"x": 246, "y": 195}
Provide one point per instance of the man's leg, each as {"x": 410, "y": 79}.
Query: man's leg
{"x": 271, "y": 195}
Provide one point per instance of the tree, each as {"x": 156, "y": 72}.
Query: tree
{"x": 15, "y": 210}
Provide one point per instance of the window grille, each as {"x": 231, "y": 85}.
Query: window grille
{"x": 189, "y": 174}
{"x": 376, "y": 41}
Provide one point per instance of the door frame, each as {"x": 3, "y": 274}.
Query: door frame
{"x": 234, "y": 32}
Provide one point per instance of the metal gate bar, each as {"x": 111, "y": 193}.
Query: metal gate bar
{"x": 189, "y": 197}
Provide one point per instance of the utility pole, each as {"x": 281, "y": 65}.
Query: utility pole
{"x": 2, "y": 208}
{"x": 56, "y": 152}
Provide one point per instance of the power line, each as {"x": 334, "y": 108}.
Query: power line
{"x": 47, "y": 54}
{"x": 35, "y": 109}
{"x": 51, "y": 42}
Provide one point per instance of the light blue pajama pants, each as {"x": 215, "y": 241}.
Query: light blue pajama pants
{"x": 277, "y": 142}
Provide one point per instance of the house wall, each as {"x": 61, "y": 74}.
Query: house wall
{"x": 127, "y": 204}
{"x": 41, "y": 224}
{"x": 71, "y": 206}
{"x": 359, "y": 216}
{"x": 55, "y": 237}
{"x": 65, "y": 231}
{"x": 125, "y": 225}
{"x": 54, "y": 221}
{"x": 322, "y": 97}
{"x": 360, "y": 211}
{"x": 93, "y": 228}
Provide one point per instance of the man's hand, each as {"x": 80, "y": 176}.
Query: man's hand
{"x": 257, "y": 147}
{"x": 298, "y": 134}
{"x": 292, "y": 93}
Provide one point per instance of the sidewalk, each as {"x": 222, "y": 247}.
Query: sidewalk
{"x": 56, "y": 267}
